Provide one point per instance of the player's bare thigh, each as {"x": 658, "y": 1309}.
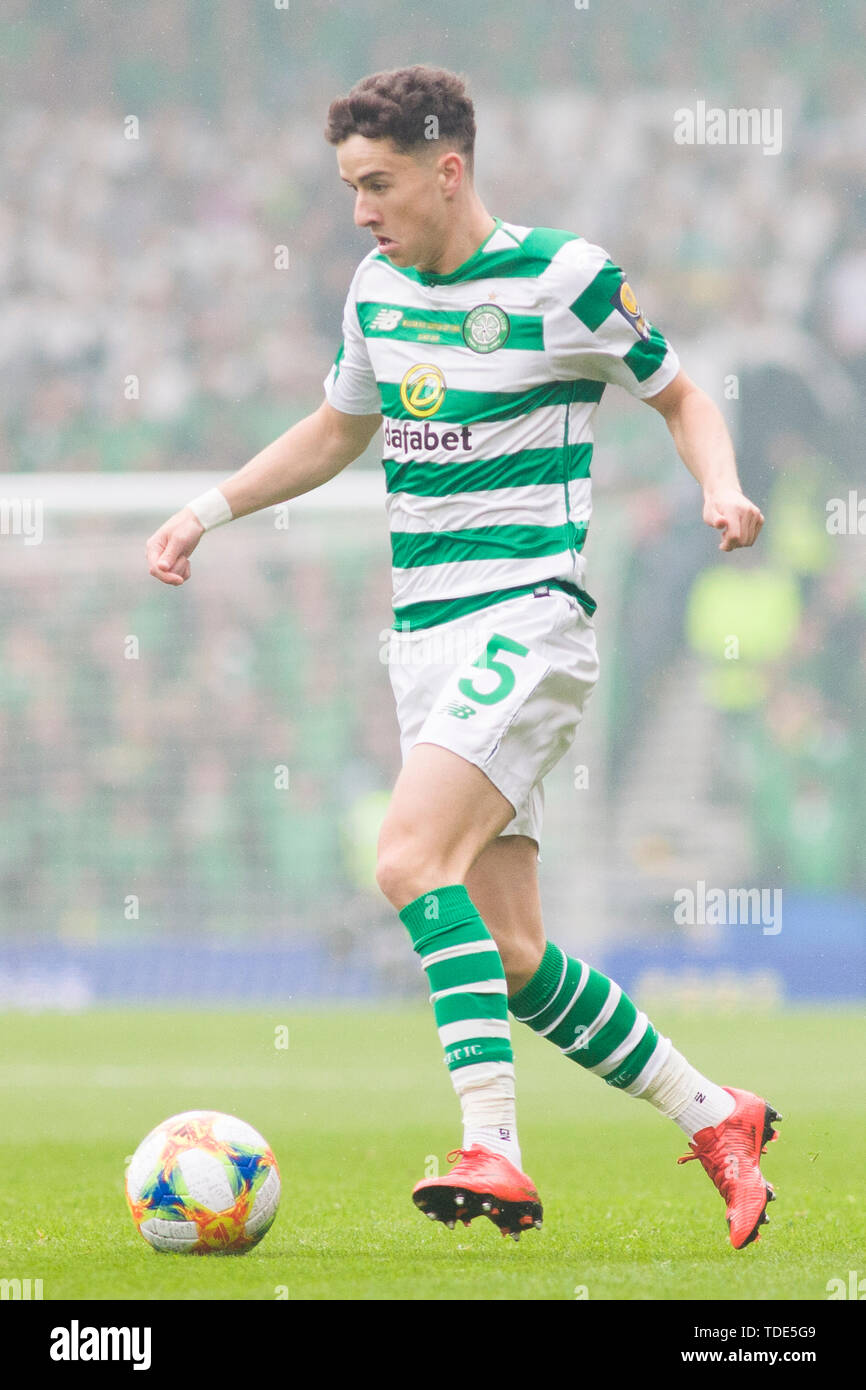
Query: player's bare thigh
{"x": 443, "y": 826}
{"x": 444, "y": 811}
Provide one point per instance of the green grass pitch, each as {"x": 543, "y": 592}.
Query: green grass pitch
{"x": 355, "y": 1107}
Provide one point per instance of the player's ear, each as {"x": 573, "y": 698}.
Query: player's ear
{"x": 451, "y": 169}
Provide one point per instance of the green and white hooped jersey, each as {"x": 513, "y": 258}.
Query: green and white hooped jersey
{"x": 488, "y": 380}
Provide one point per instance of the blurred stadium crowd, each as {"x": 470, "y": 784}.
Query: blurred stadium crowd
{"x": 224, "y": 770}
{"x": 145, "y": 326}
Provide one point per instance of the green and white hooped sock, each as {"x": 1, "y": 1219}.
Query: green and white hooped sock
{"x": 590, "y": 1020}
{"x": 470, "y": 1003}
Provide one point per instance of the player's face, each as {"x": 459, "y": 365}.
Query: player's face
{"x": 399, "y": 198}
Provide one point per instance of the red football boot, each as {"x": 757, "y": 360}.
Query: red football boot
{"x": 730, "y": 1154}
{"x": 482, "y": 1183}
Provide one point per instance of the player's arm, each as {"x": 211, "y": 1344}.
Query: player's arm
{"x": 705, "y": 447}
{"x": 313, "y": 451}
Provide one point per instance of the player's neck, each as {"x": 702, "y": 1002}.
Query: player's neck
{"x": 469, "y": 232}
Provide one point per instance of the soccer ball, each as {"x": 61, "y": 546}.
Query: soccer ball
{"x": 203, "y": 1183}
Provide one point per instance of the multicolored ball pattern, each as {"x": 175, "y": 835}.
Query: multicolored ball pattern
{"x": 203, "y": 1183}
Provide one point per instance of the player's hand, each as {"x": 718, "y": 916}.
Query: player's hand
{"x": 169, "y": 548}
{"x": 735, "y": 516}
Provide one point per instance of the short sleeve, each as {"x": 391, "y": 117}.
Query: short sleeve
{"x": 351, "y": 384}
{"x": 596, "y": 328}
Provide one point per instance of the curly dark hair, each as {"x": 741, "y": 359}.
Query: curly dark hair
{"x": 399, "y": 105}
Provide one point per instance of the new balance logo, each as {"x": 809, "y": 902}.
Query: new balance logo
{"x": 459, "y": 711}
{"x": 700, "y": 1097}
{"x": 386, "y": 320}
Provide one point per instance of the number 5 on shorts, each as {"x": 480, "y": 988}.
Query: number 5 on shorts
{"x": 487, "y": 662}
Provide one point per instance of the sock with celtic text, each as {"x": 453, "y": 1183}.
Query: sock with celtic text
{"x": 591, "y": 1021}
{"x": 469, "y": 997}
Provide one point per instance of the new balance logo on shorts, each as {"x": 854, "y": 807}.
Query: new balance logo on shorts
{"x": 459, "y": 711}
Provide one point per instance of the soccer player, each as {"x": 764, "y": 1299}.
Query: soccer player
{"x": 485, "y": 347}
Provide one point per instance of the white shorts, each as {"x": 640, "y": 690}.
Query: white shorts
{"x": 503, "y": 687}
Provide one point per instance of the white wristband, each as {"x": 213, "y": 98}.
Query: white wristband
{"x": 212, "y": 509}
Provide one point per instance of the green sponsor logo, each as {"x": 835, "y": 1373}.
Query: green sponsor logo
{"x": 485, "y": 328}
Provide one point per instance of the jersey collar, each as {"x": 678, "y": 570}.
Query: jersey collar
{"x": 466, "y": 271}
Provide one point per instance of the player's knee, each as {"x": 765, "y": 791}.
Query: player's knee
{"x": 404, "y": 871}
{"x": 388, "y": 876}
